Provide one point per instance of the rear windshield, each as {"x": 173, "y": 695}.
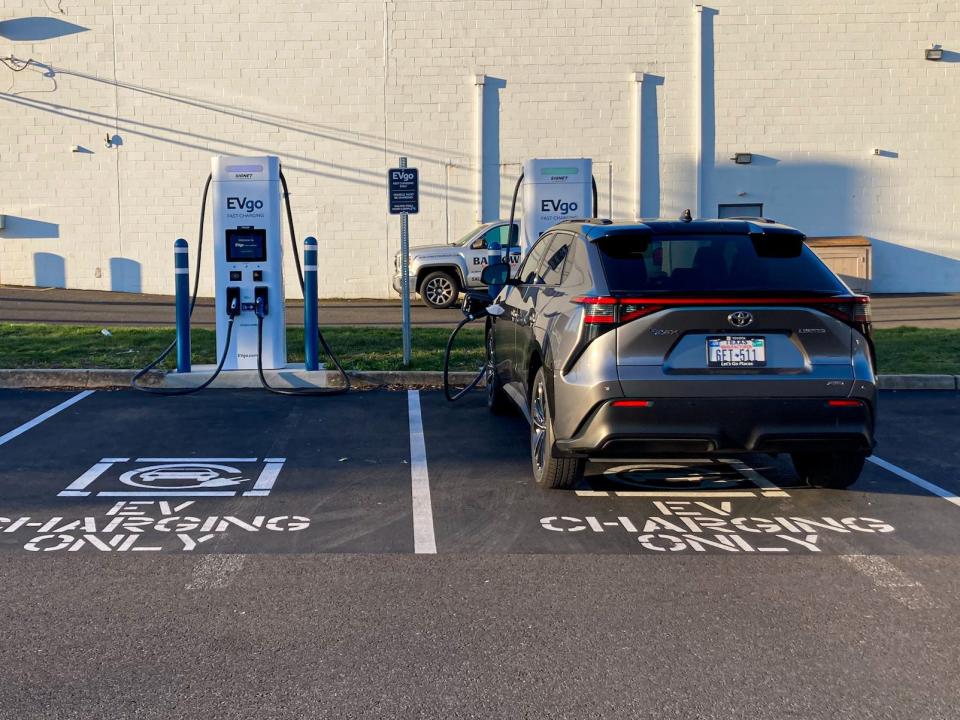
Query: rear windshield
{"x": 713, "y": 263}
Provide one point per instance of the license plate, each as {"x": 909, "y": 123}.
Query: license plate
{"x": 736, "y": 351}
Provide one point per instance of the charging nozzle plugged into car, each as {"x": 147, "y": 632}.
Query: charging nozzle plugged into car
{"x": 553, "y": 190}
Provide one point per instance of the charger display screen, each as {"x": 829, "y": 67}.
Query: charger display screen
{"x": 246, "y": 245}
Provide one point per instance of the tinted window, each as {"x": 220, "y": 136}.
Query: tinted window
{"x": 713, "y": 263}
{"x": 554, "y": 259}
{"x": 528, "y": 271}
{"x": 499, "y": 235}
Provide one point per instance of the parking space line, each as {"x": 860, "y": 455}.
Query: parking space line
{"x": 767, "y": 488}
{"x": 18, "y": 431}
{"x": 424, "y": 540}
{"x": 918, "y": 481}
{"x": 887, "y": 576}
{"x": 214, "y": 572}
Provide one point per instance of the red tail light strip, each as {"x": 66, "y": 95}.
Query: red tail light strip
{"x": 633, "y": 403}
{"x": 610, "y": 310}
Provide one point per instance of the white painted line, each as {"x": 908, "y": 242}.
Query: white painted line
{"x": 686, "y": 493}
{"x": 268, "y": 476}
{"x": 918, "y": 481}
{"x": 424, "y": 541}
{"x": 256, "y": 493}
{"x": 193, "y": 460}
{"x": 592, "y": 493}
{"x": 166, "y": 493}
{"x": 887, "y": 576}
{"x": 769, "y": 489}
{"x": 18, "y": 431}
{"x": 279, "y": 460}
{"x": 213, "y": 572}
{"x": 82, "y": 482}
{"x": 114, "y": 460}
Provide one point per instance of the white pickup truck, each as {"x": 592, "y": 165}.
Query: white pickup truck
{"x": 440, "y": 272}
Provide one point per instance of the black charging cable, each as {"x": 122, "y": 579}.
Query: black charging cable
{"x": 261, "y": 312}
{"x": 193, "y": 301}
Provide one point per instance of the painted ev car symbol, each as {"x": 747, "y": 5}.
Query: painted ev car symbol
{"x": 177, "y": 476}
{"x": 740, "y": 318}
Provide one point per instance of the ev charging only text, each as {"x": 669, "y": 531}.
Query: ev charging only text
{"x": 125, "y": 528}
{"x": 694, "y": 526}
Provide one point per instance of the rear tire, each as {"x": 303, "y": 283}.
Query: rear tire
{"x": 549, "y": 471}
{"x": 835, "y": 470}
{"x": 498, "y": 401}
{"x": 439, "y": 290}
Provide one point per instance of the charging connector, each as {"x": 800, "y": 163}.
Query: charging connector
{"x": 233, "y": 302}
{"x": 260, "y": 305}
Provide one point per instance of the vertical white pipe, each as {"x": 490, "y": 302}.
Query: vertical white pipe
{"x": 479, "y": 81}
{"x": 697, "y": 76}
{"x": 637, "y": 79}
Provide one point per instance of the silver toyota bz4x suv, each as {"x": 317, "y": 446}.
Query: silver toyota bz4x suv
{"x": 621, "y": 341}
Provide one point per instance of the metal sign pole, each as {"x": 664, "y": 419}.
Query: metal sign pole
{"x": 405, "y": 277}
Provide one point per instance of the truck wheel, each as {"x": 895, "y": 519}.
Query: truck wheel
{"x": 836, "y": 470}
{"x": 497, "y": 400}
{"x": 549, "y": 471}
{"x": 439, "y": 290}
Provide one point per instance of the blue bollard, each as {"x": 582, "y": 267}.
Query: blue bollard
{"x": 310, "y": 315}
{"x": 494, "y": 256}
{"x": 181, "y": 263}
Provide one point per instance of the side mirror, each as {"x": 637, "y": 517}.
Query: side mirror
{"x": 496, "y": 274}
{"x": 478, "y": 244}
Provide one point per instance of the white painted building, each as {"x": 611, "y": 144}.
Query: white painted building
{"x": 106, "y": 134}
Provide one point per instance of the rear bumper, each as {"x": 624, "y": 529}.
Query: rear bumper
{"x": 721, "y": 425}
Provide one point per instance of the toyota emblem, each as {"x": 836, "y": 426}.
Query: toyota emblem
{"x": 740, "y": 319}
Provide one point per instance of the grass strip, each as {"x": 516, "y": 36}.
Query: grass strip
{"x": 358, "y": 348}
{"x": 899, "y": 350}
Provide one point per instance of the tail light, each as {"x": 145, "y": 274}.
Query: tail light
{"x": 854, "y": 311}
{"x": 613, "y": 310}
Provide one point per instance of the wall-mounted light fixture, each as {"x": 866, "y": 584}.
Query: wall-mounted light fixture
{"x": 742, "y": 158}
{"x": 934, "y": 53}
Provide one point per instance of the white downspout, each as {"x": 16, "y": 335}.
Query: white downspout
{"x": 698, "y": 107}
{"x": 479, "y": 81}
{"x": 637, "y": 79}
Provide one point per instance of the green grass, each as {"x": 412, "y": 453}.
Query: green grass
{"x": 358, "y": 348}
{"x": 899, "y": 350}
{"x": 910, "y": 350}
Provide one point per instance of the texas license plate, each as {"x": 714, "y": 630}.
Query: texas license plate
{"x": 736, "y": 351}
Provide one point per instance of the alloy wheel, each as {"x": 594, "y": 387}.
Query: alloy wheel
{"x": 538, "y": 425}
{"x": 438, "y": 291}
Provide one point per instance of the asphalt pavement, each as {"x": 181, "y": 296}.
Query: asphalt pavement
{"x": 93, "y": 307}
{"x": 241, "y": 555}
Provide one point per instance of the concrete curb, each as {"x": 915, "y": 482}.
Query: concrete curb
{"x": 108, "y": 379}
{"x": 111, "y": 379}
{"x": 75, "y": 379}
{"x": 918, "y": 382}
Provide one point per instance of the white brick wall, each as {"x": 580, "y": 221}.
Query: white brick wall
{"x": 339, "y": 89}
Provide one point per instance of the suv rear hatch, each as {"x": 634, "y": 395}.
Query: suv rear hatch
{"x": 727, "y": 315}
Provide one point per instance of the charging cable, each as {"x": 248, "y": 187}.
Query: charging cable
{"x": 193, "y": 301}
